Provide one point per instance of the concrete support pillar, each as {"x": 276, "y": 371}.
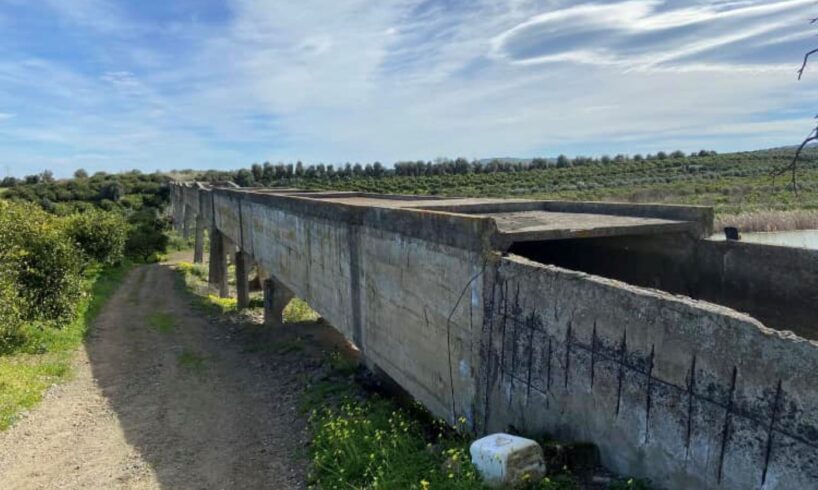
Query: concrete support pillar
{"x": 276, "y": 298}
{"x": 187, "y": 222}
{"x": 178, "y": 212}
{"x": 242, "y": 282}
{"x": 218, "y": 263}
{"x": 198, "y": 244}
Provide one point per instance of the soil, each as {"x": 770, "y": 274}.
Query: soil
{"x": 204, "y": 403}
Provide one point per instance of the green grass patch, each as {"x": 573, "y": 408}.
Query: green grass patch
{"x": 299, "y": 311}
{"x": 363, "y": 440}
{"x": 190, "y": 360}
{"x": 221, "y": 305}
{"x": 164, "y": 322}
{"x": 45, "y": 357}
{"x": 197, "y": 270}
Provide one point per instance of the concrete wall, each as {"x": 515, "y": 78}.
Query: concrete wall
{"x": 687, "y": 393}
{"x": 777, "y": 285}
{"x": 401, "y": 284}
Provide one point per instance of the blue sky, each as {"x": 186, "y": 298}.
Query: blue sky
{"x": 114, "y": 85}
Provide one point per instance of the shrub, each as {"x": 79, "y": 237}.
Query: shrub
{"x": 10, "y": 318}
{"x": 147, "y": 237}
{"x": 41, "y": 261}
{"x": 144, "y": 242}
{"x": 100, "y": 235}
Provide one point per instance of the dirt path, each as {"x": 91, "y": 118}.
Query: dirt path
{"x": 185, "y": 406}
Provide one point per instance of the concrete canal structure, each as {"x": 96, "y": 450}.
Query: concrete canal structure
{"x": 618, "y": 324}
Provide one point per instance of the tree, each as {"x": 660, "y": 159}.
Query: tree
{"x": 81, "y": 174}
{"x": 244, "y": 178}
{"x": 8, "y": 182}
{"x": 258, "y": 172}
{"x": 112, "y": 191}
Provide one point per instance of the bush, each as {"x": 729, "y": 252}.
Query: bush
{"x": 41, "y": 262}
{"x": 10, "y": 318}
{"x": 147, "y": 236}
{"x": 100, "y": 235}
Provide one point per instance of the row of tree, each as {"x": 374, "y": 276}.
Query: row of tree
{"x": 269, "y": 174}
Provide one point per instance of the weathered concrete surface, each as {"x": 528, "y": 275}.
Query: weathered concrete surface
{"x": 687, "y": 393}
{"x": 777, "y": 285}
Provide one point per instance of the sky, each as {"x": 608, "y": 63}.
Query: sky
{"x": 157, "y": 84}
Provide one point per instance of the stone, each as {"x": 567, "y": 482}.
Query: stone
{"x": 504, "y": 460}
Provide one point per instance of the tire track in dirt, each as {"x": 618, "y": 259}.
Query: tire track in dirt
{"x": 182, "y": 407}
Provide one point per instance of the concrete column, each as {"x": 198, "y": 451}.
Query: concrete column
{"x": 242, "y": 282}
{"x": 218, "y": 263}
{"x": 276, "y": 298}
{"x": 178, "y": 215}
{"x": 187, "y": 221}
{"x": 198, "y": 244}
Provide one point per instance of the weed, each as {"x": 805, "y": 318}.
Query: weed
{"x": 222, "y": 305}
{"x": 190, "y": 360}
{"x": 342, "y": 364}
{"x": 299, "y": 311}
{"x": 164, "y": 322}
{"x": 375, "y": 444}
{"x": 630, "y": 484}
{"x": 197, "y": 270}
{"x": 557, "y": 482}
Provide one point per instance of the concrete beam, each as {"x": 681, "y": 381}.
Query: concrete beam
{"x": 242, "y": 282}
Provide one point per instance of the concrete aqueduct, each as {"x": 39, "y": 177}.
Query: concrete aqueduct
{"x": 617, "y": 324}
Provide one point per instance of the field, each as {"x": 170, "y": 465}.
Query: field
{"x": 732, "y": 183}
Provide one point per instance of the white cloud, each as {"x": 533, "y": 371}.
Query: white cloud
{"x": 641, "y": 33}
{"x": 398, "y": 79}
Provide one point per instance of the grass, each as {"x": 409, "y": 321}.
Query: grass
{"x": 195, "y": 277}
{"x": 363, "y": 440}
{"x": 299, "y": 311}
{"x": 163, "y": 322}
{"x": 45, "y": 359}
{"x": 766, "y": 220}
{"x": 190, "y": 360}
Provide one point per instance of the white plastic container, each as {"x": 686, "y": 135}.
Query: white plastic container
{"x": 506, "y": 460}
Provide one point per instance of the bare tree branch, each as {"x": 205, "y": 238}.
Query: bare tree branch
{"x": 792, "y": 168}
{"x": 805, "y": 62}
